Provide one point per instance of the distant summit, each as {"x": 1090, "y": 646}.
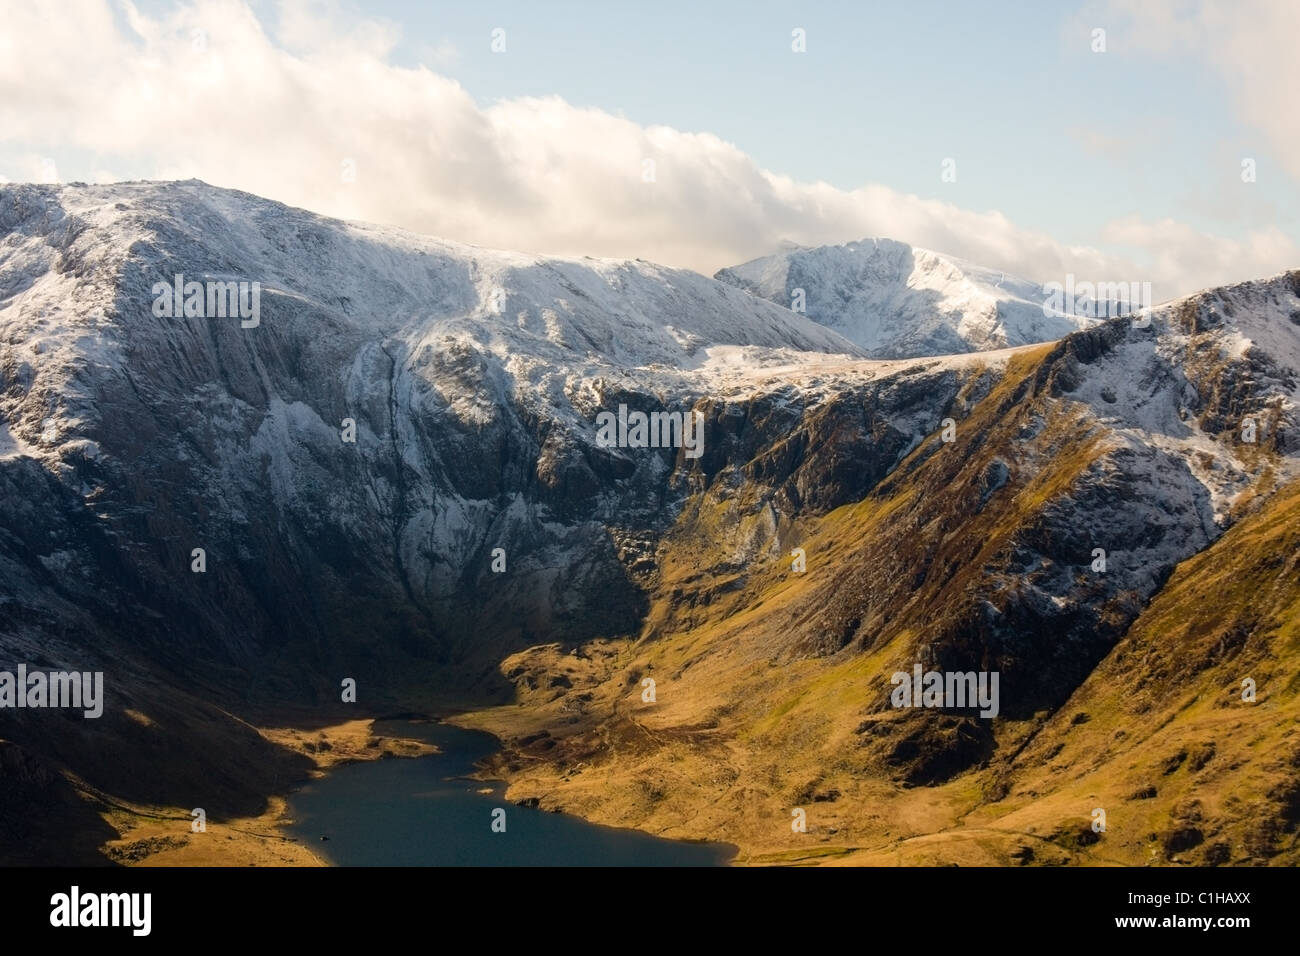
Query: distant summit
{"x": 897, "y": 301}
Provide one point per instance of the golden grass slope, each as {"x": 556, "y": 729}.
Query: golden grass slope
{"x": 771, "y": 688}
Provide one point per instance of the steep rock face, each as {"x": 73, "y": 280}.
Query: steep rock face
{"x": 897, "y": 301}
{"x": 1031, "y": 542}
{"x": 129, "y": 439}
{"x": 1079, "y": 477}
{"x": 474, "y": 378}
{"x": 1188, "y": 733}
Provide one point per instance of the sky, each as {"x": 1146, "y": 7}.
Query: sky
{"x": 1154, "y": 141}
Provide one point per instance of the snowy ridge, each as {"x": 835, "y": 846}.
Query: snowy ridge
{"x": 473, "y": 379}
{"x": 543, "y": 324}
{"x": 897, "y": 301}
{"x": 627, "y": 312}
{"x": 1168, "y": 387}
{"x": 482, "y": 328}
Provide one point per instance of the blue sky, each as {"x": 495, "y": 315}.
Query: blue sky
{"x": 1125, "y": 161}
{"x": 886, "y": 90}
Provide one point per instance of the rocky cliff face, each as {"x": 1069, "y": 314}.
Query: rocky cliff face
{"x": 950, "y": 507}
{"x": 1106, "y": 530}
{"x": 472, "y": 379}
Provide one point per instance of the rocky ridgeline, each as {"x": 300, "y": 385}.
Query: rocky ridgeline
{"x": 398, "y": 464}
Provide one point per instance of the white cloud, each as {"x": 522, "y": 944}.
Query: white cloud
{"x": 1178, "y": 248}
{"x": 30, "y": 168}
{"x": 1250, "y": 43}
{"x": 281, "y": 119}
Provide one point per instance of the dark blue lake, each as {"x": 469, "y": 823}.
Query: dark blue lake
{"x": 425, "y": 811}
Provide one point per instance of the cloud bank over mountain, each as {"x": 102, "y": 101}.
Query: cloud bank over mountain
{"x": 188, "y": 94}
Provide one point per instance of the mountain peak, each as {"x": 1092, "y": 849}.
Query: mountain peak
{"x": 899, "y": 301}
{"x": 626, "y": 313}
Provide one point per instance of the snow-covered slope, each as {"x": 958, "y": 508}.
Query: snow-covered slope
{"x": 526, "y": 311}
{"x": 474, "y": 378}
{"x": 1206, "y": 382}
{"x": 476, "y": 513}
{"x": 898, "y": 301}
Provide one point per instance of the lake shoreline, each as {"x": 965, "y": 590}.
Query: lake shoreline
{"x": 450, "y": 810}
{"x": 162, "y": 836}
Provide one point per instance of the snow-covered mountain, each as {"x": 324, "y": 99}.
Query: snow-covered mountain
{"x": 473, "y": 377}
{"x": 897, "y": 301}
{"x": 529, "y": 313}
{"x": 476, "y": 513}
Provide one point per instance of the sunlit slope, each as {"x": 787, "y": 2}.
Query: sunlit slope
{"x": 984, "y": 552}
{"x": 1163, "y": 735}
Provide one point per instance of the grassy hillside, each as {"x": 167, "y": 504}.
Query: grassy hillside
{"x": 771, "y": 688}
